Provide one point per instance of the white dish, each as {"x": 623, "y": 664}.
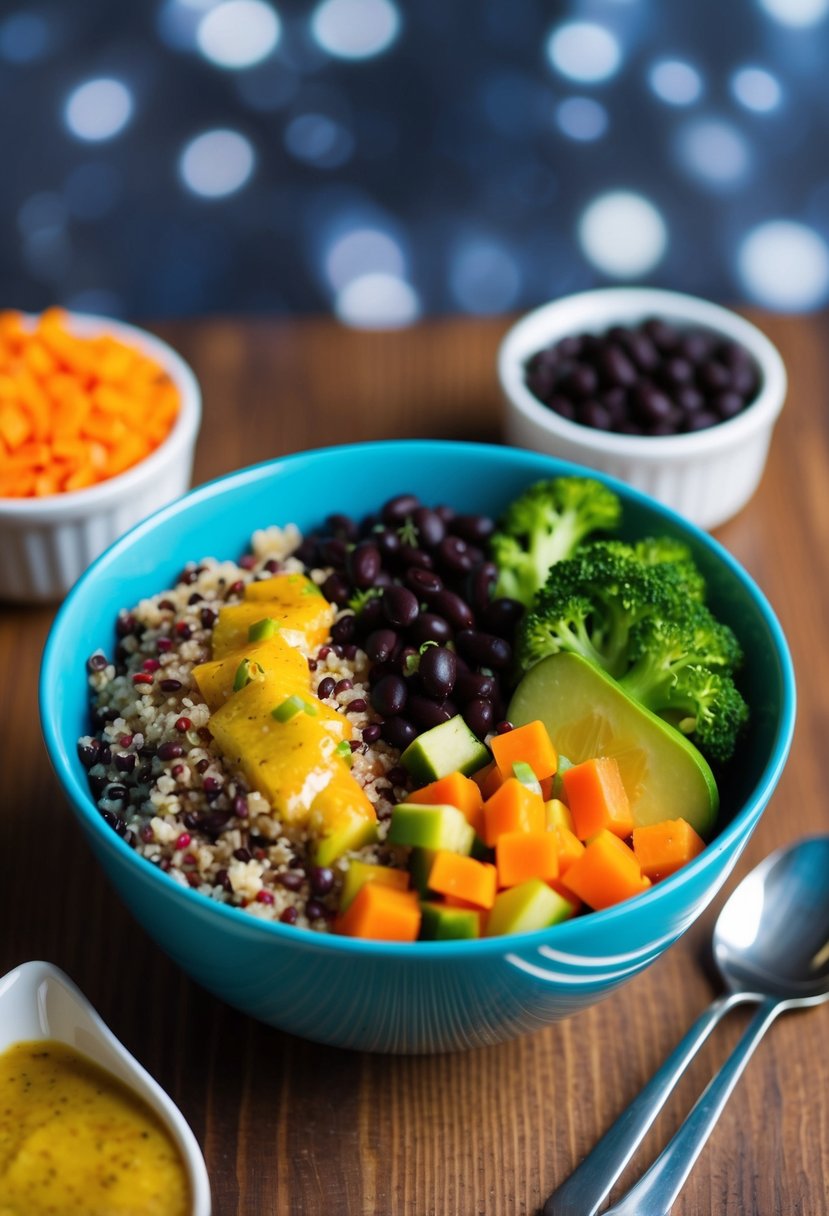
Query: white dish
{"x": 37, "y": 1001}
{"x": 47, "y": 543}
{"x": 706, "y": 475}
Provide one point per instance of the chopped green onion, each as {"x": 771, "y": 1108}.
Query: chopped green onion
{"x": 524, "y": 773}
{"x": 291, "y": 706}
{"x": 262, "y": 630}
{"x": 343, "y": 749}
{"x": 311, "y": 589}
{"x": 243, "y": 675}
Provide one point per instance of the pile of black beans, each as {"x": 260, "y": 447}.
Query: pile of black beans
{"x": 421, "y": 594}
{"x": 649, "y": 379}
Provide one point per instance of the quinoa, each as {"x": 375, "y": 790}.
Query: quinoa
{"x": 160, "y": 781}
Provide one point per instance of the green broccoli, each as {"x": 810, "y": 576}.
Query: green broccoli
{"x": 544, "y": 526}
{"x": 638, "y": 621}
{"x": 658, "y": 550}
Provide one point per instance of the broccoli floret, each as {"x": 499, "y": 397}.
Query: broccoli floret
{"x": 544, "y": 526}
{"x": 591, "y": 603}
{"x": 637, "y": 620}
{"x": 661, "y": 550}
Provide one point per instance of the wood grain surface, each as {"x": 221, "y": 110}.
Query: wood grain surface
{"x": 290, "y": 1127}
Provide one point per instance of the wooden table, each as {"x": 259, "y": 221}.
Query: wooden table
{"x": 289, "y": 1127}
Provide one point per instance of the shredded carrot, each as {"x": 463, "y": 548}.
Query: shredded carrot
{"x": 74, "y": 410}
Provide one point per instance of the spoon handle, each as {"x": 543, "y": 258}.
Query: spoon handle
{"x": 583, "y": 1193}
{"x": 657, "y": 1189}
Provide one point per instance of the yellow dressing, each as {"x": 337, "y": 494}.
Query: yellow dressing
{"x": 74, "y": 1141}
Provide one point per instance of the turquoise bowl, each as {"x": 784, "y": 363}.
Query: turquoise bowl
{"x": 377, "y": 996}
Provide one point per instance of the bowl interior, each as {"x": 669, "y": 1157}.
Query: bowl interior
{"x": 218, "y": 519}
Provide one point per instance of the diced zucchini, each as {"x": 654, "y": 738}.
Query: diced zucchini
{"x": 447, "y": 748}
{"x": 530, "y": 905}
{"x": 439, "y": 923}
{"x": 431, "y": 827}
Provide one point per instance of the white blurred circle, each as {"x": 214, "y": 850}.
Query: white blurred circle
{"x": 216, "y": 163}
{"x": 756, "y": 89}
{"x": 622, "y": 234}
{"x": 585, "y": 51}
{"x": 796, "y": 12}
{"x": 714, "y": 151}
{"x": 355, "y": 29}
{"x": 377, "y": 301}
{"x": 785, "y": 265}
{"x": 581, "y": 118}
{"x": 238, "y": 33}
{"x": 676, "y": 82}
{"x": 362, "y": 251}
{"x": 98, "y": 109}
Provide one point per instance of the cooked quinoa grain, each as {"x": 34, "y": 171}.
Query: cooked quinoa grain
{"x": 162, "y": 785}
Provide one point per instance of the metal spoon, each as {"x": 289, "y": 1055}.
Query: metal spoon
{"x": 771, "y": 945}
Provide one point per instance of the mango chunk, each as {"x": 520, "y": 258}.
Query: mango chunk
{"x": 305, "y": 625}
{"x": 215, "y": 679}
{"x": 341, "y": 818}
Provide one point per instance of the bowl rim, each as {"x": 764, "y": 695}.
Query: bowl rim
{"x": 621, "y": 304}
{"x": 57, "y": 507}
{"x": 330, "y": 943}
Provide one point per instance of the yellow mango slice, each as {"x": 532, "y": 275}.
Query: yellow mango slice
{"x": 304, "y": 623}
{"x": 284, "y": 589}
{"x": 289, "y": 762}
{"x": 341, "y": 818}
{"x": 215, "y": 678}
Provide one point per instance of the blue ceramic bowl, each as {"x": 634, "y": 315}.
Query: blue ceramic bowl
{"x": 430, "y": 996}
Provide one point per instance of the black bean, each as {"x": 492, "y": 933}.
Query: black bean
{"x": 115, "y": 793}
{"x": 563, "y": 406}
{"x": 344, "y": 630}
{"x": 88, "y": 752}
{"x": 321, "y": 879}
{"x": 616, "y": 368}
{"x": 169, "y": 685}
{"x": 96, "y": 662}
{"x": 662, "y": 334}
{"x": 676, "y": 372}
{"x": 643, "y": 352}
{"x": 370, "y": 733}
{"x": 478, "y": 715}
{"x": 480, "y": 585}
{"x": 453, "y": 609}
{"x": 438, "y": 671}
{"x": 380, "y": 645}
{"x": 410, "y": 555}
{"x": 389, "y": 696}
{"x": 474, "y": 685}
{"x": 595, "y": 415}
{"x": 291, "y": 880}
{"x": 701, "y": 420}
{"x": 400, "y": 606}
{"x": 357, "y": 706}
{"x": 429, "y": 627}
{"x": 689, "y": 399}
{"x": 342, "y": 686}
{"x": 378, "y": 671}
{"x": 486, "y": 649}
{"x": 333, "y": 552}
{"x": 125, "y": 762}
{"x": 387, "y": 541}
{"x": 336, "y": 589}
{"x": 243, "y": 854}
{"x": 454, "y": 555}
{"x": 170, "y": 751}
{"x": 114, "y": 821}
{"x": 476, "y": 529}
{"x": 208, "y": 617}
{"x": 430, "y": 527}
{"x": 125, "y": 624}
{"x": 342, "y": 527}
{"x": 651, "y": 404}
{"x": 744, "y": 380}
{"x": 397, "y": 509}
{"x": 579, "y": 383}
{"x": 314, "y": 910}
{"x": 371, "y": 613}
{"x": 695, "y": 346}
{"x": 427, "y": 713}
{"x": 424, "y": 583}
{"x": 728, "y": 405}
{"x": 325, "y": 688}
{"x": 364, "y": 564}
{"x": 712, "y": 377}
{"x": 307, "y": 553}
{"x": 502, "y": 615}
{"x": 398, "y": 732}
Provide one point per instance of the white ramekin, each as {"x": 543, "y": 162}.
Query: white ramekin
{"x": 47, "y": 543}
{"x": 706, "y": 475}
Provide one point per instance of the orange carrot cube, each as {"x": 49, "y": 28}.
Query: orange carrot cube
{"x": 530, "y": 744}
{"x": 597, "y": 798}
{"x": 381, "y": 913}
{"x": 512, "y": 808}
{"x": 454, "y": 790}
{"x": 606, "y": 873}
{"x": 463, "y": 878}
{"x": 523, "y": 855}
{"x": 662, "y": 848}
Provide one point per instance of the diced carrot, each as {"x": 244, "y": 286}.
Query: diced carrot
{"x": 597, "y": 798}
{"x": 606, "y": 873}
{"x": 39, "y": 360}
{"x": 15, "y": 426}
{"x": 456, "y": 790}
{"x": 529, "y": 743}
{"x": 80, "y": 479}
{"x": 560, "y": 889}
{"x": 662, "y": 848}
{"x": 487, "y": 779}
{"x": 512, "y": 808}
{"x": 464, "y": 878}
{"x": 382, "y": 913}
{"x": 523, "y": 855}
{"x": 570, "y": 848}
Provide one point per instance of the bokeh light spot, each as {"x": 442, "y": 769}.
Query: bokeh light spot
{"x": 319, "y": 140}
{"x": 714, "y": 152}
{"x": 796, "y": 12}
{"x": 98, "y": 109}
{"x": 91, "y": 190}
{"x": 756, "y": 89}
{"x": 584, "y": 51}
{"x": 484, "y": 278}
{"x": 40, "y": 211}
{"x": 238, "y": 33}
{"x": 24, "y": 37}
{"x": 217, "y": 163}
{"x": 377, "y": 301}
{"x": 355, "y": 29}
{"x": 622, "y": 234}
{"x": 581, "y": 118}
{"x": 675, "y": 82}
{"x": 362, "y": 251}
{"x": 785, "y": 265}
